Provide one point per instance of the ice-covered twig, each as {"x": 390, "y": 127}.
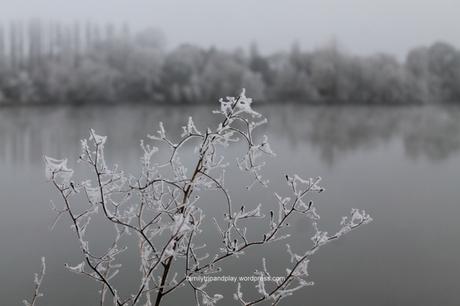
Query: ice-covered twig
{"x": 38, "y": 279}
{"x": 160, "y": 208}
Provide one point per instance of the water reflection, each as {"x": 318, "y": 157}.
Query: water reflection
{"x": 428, "y": 132}
{"x": 405, "y": 257}
{"x": 333, "y": 132}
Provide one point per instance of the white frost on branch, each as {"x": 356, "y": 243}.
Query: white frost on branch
{"x": 76, "y": 269}
{"x": 211, "y": 301}
{"x": 161, "y": 209}
{"x": 190, "y": 128}
{"x": 38, "y": 280}
{"x": 181, "y": 225}
{"x": 98, "y": 139}
{"x": 57, "y": 167}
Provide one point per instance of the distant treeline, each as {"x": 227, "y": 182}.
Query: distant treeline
{"x": 46, "y": 62}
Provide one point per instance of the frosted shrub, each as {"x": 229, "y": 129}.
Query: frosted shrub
{"x": 161, "y": 209}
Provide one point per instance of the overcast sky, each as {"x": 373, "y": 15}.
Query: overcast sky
{"x": 360, "y": 26}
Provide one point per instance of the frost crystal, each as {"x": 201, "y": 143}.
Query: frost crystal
{"x": 98, "y": 139}
{"x": 57, "y": 167}
{"x": 161, "y": 209}
{"x": 77, "y": 269}
{"x": 244, "y": 105}
{"x": 190, "y": 128}
{"x": 181, "y": 224}
{"x": 38, "y": 279}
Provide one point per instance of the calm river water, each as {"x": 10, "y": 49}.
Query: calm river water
{"x": 400, "y": 164}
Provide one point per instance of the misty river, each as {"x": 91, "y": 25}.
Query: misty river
{"x": 400, "y": 164}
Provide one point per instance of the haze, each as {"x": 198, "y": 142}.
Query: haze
{"x": 360, "y": 26}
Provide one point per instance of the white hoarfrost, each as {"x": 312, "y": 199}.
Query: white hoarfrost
{"x": 38, "y": 279}
{"x": 162, "y": 210}
{"x": 76, "y": 269}
{"x": 57, "y": 168}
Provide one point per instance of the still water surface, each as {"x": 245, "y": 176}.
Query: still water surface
{"x": 400, "y": 164}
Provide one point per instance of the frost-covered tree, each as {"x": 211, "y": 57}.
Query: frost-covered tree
{"x": 161, "y": 209}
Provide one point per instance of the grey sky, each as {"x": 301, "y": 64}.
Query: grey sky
{"x": 360, "y": 26}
